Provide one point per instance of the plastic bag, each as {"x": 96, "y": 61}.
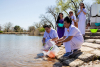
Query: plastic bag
{"x": 52, "y": 51}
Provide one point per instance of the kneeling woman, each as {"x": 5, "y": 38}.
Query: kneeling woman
{"x": 50, "y": 35}
{"x": 72, "y": 39}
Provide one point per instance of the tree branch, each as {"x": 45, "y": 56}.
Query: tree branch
{"x": 74, "y": 3}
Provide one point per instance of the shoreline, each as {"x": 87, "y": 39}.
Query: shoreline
{"x": 40, "y": 34}
{"x": 15, "y": 33}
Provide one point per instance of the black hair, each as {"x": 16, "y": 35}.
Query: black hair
{"x": 68, "y": 20}
{"x": 44, "y": 26}
{"x": 58, "y": 18}
{"x": 83, "y": 5}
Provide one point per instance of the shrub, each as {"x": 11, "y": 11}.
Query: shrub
{"x": 42, "y": 29}
{"x": 1, "y": 31}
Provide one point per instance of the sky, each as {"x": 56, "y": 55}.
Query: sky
{"x": 24, "y": 12}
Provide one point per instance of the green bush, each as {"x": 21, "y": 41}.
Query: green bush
{"x": 1, "y": 31}
{"x": 42, "y": 29}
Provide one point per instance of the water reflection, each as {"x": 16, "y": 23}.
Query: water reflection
{"x": 20, "y": 50}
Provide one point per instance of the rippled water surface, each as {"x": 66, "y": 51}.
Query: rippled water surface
{"x": 20, "y": 51}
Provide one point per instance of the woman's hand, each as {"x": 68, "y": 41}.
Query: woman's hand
{"x": 50, "y": 40}
{"x": 57, "y": 25}
{"x": 59, "y": 43}
{"x": 73, "y": 20}
{"x": 56, "y": 41}
{"x": 81, "y": 10}
{"x": 44, "y": 44}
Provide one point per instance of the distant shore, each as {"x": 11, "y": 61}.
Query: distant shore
{"x": 15, "y": 33}
{"x": 40, "y": 34}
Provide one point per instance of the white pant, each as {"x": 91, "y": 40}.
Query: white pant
{"x": 81, "y": 26}
{"x": 75, "y": 43}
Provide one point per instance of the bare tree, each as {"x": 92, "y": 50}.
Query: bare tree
{"x": 7, "y": 26}
{"x": 88, "y": 6}
{"x": 0, "y": 27}
{"x": 52, "y": 11}
{"x": 50, "y": 17}
{"x": 46, "y": 20}
{"x": 31, "y": 28}
{"x": 37, "y": 25}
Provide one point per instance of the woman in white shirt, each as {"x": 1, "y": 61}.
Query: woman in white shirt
{"x": 72, "y": 17}
{"x": 72, "y": 39}
{"x": 82, "y": 18}
{"x": 49, "y": 35}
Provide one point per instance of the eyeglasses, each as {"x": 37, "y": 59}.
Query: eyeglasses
{"x": 71, "y": 13}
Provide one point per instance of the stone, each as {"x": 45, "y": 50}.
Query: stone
{"x": 62, "y": 46}
{"x": 60, "y": 53}
{"x": 61, "y": 59}
{"x": 57, "y": 64}
{"x": 85, "y": 56}
{"x": 86, "y": 49}
{"x": 93, "y": 41}
{"x": 86, "y": 43}
{"x": 98, "y": 41}
{"x": 59, "y": 56}
{"x": 96, "y": 52}
{"x": 44, "y": 58}
{"x": 90, "y": 63}
{"x": 75, "y": 54}
{"x": 73, "y": 62}
{"x": 97, "y": 60}
{"x": 92, "y": 34}
{"x": 92, "y": 37}
{"x": 92, "y": 45}
{"x": 90, "y": 40}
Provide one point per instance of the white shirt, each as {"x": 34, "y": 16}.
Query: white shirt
{"x": 51, "y": 35}
{"x": 73, "y": 31}
{"x": 82, "y": 16}
{"x": 73, "y": 17}
{"x": 66, "y": 32}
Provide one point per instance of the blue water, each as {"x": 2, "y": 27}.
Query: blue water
{"x": 20, "y": 43}
{"x": 20, "y": 51}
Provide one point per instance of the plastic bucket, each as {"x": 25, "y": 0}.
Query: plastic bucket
{"x": 97, "y": 24}
{"x": 93, "y": 30}
{"x": 60, "y": 24}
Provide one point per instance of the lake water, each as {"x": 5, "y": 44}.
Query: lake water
{"x": 21, "y": 50}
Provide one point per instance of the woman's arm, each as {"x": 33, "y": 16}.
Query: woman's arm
{"x": 65, "y": 40}
{"x": 73, "y": 19}
{"x": 54, "y": 39}
{"x": 61, "y": 39}
{"x": 84, "y": 12}
{"x": 68, "y": 39}
{"x": 79, "y": 12}
{"x": 43, "y": 41}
